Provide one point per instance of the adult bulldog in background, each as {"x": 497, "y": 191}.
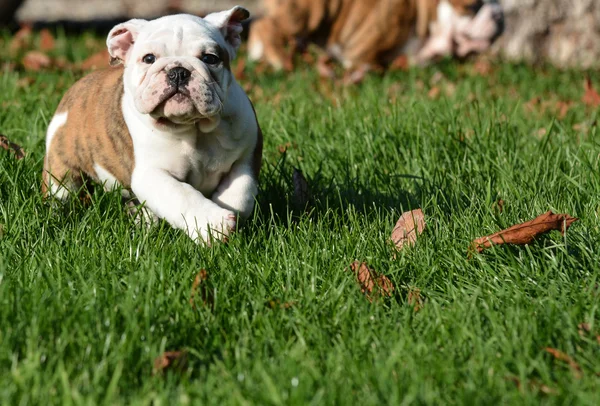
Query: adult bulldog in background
{"x": 363, "y": 34}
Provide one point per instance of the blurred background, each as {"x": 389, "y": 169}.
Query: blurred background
{"x": 563, "y": 32}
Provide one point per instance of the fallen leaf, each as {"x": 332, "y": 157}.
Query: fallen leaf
{"x": 408, "y": 227}
{"x": 400, "y": 63}
{"x": 499, "y": 205}
{"x": 434, "y": 92}
{"x": 562, "y": 108}
{"x": 533, "y": 384}
{"x": 561, "y": 356}
{"x": 525, "y": 233}
{"x": 200, "y": 288}
{"x": 301, "y": 190}
{"x": 25, "y": 82}
{"x": 414, "y": 299}
{"x": 532, "y": 104}
{"x": 22, "y": 39}
{"x": 96, "y": 61}
{"x": 590, "y": 97}
{"x": 47, "y": 42}
{"x": 170, "y": 360}
{"x": 36, "y": 61}
{"x": 482, "y": 67}
{"x": 6, "y": 144}
{"x": 276, "y": 304}
{"x": 369, "y": 280}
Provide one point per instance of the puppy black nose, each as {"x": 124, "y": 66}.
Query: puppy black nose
{"x": 179, "y": 76}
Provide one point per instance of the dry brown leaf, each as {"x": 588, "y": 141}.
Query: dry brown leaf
{"x": 200, "y": 288}
{"x": 96, "y": 61}
{"x": 408, "y": 227}
{"x": 482, "y": 67}
{"x": 414, "y": 299}
{"x": 533, "y": 384}
{"x": 499, "y": 205}
{"x": 526, "y": 232}
{"x": 562, "y": 108}
{"x": 276, "y": 304}
{"x": 561, "y": 356}
{"x": 36, "y": 61}
{"x": 591, "y": 96}
{"x": 434, "y": 92}
{"x": 370, "y": 281}
{"x": 6, "y": 144}
{"x": 400, "y": 63}
{"x": 22, "y": 39}
{"x": 301, "y": 189}
{"x": 47, "y": 42}
{"x": 25, "y": 82}
{"x": 170, "y": 360}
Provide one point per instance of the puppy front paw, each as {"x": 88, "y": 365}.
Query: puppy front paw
{"x": 217, "y": 225}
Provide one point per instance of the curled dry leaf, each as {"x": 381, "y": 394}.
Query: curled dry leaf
{"x": 408, "y": 228}
{"x": 36, "y": 61}
{"x": 371, "y": 283}
{"x": 533, "y": 384}
{"x": 591, "y": 97}
{"x": 170, "y": 360}
{"x": 276, "y": 304}
{"x": 561, "y": 356}
{"x": 47, "y": 42}
{"x": 400, "y": 63}
{"x": 200, "y": 288}
{"x": 6, "y": 144}
{"x": 414, "y": 299}
{"x": 301, "y": 190}
{"x": 525, "y": 233}
{"x": 21, "y": 39}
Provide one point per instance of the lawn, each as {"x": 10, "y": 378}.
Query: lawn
{"x": 89, "y": 300}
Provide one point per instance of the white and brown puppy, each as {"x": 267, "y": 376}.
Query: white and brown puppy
{"x": 171, "y": 124}
{"x": 369, "y": 33}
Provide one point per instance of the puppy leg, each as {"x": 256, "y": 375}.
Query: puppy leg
{"x": 238, "y": 190}
{"x": 59, "y": 179}
{"x": 181, "y": 205}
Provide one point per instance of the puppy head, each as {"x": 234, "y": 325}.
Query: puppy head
{"x": 178, "y": 67}
{"x": 474, "y": 24}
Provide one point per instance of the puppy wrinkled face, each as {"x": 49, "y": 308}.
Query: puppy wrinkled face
{"x": 178, "y": 71}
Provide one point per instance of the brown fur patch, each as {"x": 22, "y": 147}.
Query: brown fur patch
{"x": 94, "y": 133}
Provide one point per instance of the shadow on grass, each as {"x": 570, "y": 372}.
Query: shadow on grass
{"x": 278, "y": 201}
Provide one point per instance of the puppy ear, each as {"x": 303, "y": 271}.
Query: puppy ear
{"x": 121, "y": 39}
{"x": 229, "y": 22}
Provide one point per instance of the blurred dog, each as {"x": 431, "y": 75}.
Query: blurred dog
{"x": 363, "y": 34}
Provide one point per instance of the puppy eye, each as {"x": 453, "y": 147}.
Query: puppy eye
{"x": 210, "y": 59}
{"x": 149, "y": 59}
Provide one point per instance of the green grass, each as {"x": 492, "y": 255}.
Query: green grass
{"x": 88, "y": 300}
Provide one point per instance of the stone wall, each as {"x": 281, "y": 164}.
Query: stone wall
{"x": 564, "y": 32}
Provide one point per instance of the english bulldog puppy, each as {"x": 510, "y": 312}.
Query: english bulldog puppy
{"x": 171, "y": 124}
{"x": 368, "y": 33}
